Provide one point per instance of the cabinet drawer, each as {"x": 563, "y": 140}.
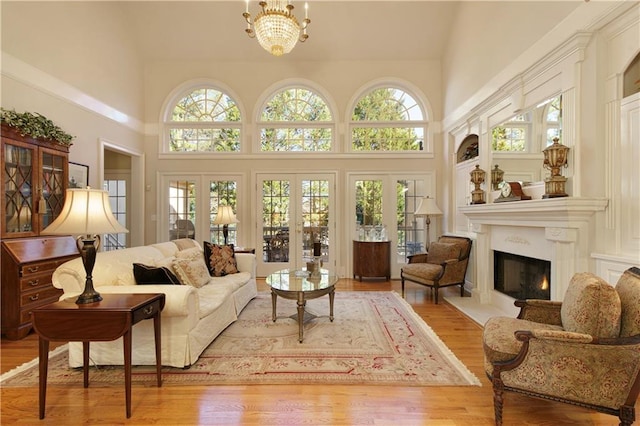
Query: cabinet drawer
{"x": 39, "y": 296}
{"x": 35, "y": 282}
{"x": 146, "y": 311}
{"x": 39, "y": 268}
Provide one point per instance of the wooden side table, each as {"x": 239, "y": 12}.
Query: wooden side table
{"x": 106, "y": 320}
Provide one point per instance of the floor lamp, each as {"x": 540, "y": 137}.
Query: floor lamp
{"x": 224, "y": 217}
{"x": 86, "y": 212}
{"x": 427, "y": 208}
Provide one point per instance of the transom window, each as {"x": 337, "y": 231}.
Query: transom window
{"x": 204, "y": 120}
{"x": 512, "y": 135}
{"x": 387, "y": 119}
{"x": 296, "y": 119}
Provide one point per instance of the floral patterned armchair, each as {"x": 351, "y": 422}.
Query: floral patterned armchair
{"x": 584, "y": 350}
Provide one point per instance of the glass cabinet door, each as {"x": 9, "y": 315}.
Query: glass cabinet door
{"x": 18, "y": 207}
{"x": 51, "y": 191}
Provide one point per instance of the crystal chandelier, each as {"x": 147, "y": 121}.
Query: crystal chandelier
{"x": 276, "y": 27}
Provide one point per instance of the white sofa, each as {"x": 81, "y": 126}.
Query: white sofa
{"x": 191, "y": 319}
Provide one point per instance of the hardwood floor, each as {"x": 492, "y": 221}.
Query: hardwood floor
{"x": 297, "y": 404}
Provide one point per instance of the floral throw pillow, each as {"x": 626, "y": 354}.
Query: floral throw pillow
{"x": 220, "y": 260}
{"x": 191, "y": 271}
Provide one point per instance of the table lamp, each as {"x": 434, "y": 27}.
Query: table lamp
{"x": 224, "y": 217}
{"x": 427, "y": 207}
{"x": 87, "y": 213}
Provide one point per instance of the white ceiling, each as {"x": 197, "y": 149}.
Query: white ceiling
{"x": 339, "y": 30}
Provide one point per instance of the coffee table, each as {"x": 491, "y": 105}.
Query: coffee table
{"x": 300, "y": 286}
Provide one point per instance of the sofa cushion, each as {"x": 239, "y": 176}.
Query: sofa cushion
{"x": 220, "y": 260}
{"x": 422, "y": 272}
{"x": 191, "y": 270}
{"x": 145, "y": 274}
{"x": 441, "y": 252}
{"x": 628, "y": 288}
{"x": 591, "y": 306}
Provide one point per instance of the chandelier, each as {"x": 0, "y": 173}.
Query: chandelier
{"x": 276, "y": 27}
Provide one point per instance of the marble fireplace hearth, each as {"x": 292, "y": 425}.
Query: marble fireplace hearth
{"x": 559, "y": 230}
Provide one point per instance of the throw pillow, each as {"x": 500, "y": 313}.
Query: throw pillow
{"x": 221, "y": 260}
{"x": 591, "y": 306}
{"x": 145, "y": 274}
{"x": 189, "y": 253}
{"x": 441, "y": 252}
{"x": 191, "y": 271}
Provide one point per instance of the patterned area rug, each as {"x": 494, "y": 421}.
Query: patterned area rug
{"x": 376, "y": 338}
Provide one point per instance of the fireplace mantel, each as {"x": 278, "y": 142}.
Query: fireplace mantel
{"x": 535, "y": 212}
{"x": 560, "y": 230}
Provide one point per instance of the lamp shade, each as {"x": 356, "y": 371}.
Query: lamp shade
{"x": 85, "y": 212}
{"x": 428, "y": 207}
{"x": 225, "y": 216}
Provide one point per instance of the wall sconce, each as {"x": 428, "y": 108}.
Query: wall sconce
{"x": 496, "y": 178}
{"x": 477, "y": 178}
{"x": 555, "y": 157}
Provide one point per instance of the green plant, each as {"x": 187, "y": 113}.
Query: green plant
{"x": 35, "y": 125}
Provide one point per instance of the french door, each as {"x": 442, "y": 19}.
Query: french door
{"x": 295, "y": 211}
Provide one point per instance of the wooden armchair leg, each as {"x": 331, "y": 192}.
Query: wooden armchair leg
{"x": 498, "y": 401}
{"x": 462, "y": 290}
{"x": 402, "y": 281}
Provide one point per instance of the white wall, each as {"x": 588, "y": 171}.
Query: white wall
{"x": 85, "y": 44}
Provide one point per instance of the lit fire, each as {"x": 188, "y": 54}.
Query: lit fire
{"x": 544, "y": 284}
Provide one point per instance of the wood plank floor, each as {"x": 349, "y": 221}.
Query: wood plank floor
{"x": 297, "y": 404}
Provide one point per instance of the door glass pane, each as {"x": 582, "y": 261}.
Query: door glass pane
{"x": 410, "y": 228}
{"x": 369, "y": 202}
{"x": 18, "y": 192}
{"x": 118, "y": 201}
{"x": 222, "y": 193}
{"x": 182, "y": 209}
{"x": 315, "y": 218}
{"x": 275, "y": 220}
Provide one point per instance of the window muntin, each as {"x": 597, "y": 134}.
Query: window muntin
{"x": 296, "y": 119}
{"x": 204, "y": 120}
{"x": 387, "y": 119}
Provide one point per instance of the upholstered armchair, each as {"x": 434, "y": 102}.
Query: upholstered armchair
{"x": 444, "y": 265}
{"x": 184, "y": 228}
{"x": 584, "y": 350}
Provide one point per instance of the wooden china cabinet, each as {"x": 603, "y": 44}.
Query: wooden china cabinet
{"x": 34, "y": 179}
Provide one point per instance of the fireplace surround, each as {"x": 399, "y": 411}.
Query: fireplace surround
{"x": 558, "y": 230}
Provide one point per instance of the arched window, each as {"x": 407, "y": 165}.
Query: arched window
{"x": 204, "y": 120}
{"x": 387, "y": 119}
{"x": 296, "y": 119}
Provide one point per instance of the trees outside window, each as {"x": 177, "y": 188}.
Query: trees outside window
{"x": 387, "y": 119}
{"x": 296, "y": 119}
{"x": 204, "y": 120}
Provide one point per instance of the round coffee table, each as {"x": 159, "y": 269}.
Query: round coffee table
{"x": 300, "y": 286}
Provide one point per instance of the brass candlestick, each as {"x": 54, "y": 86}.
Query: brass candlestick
{"x": 477, "y": 178}
{"x": 555, "y": 157}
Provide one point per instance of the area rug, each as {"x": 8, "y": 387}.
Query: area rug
{"x": 376, "y": 338}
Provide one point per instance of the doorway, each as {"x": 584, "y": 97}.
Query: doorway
{"x": 296, "y": 211}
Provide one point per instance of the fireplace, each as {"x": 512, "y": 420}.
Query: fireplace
{"x": 521, "y": 277}
{"x": 557, "y": 230}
